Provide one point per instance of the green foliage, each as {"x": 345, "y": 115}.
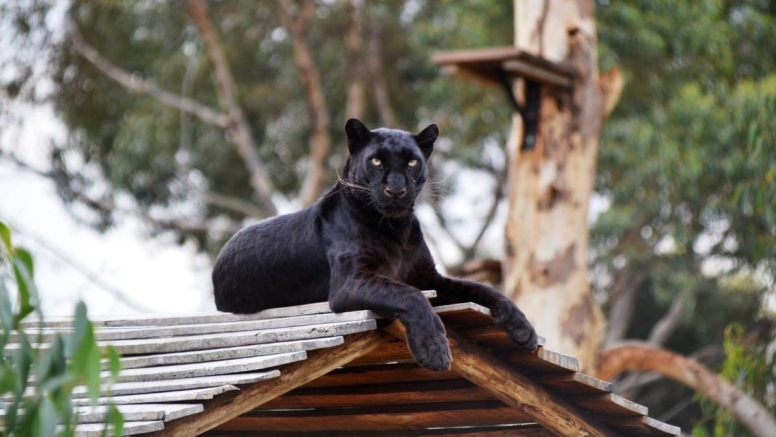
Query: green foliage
{"x": 748, "y": 366}
{"x": 687, "y": 160}
{"x": 36, "y": 380}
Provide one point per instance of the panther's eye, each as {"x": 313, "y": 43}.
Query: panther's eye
{"x": 413, "y": 163}
{"x": 376, "y": 161}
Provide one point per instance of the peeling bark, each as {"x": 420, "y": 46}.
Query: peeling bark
{"x": 640, "y": 356}
{"x": 238, "y": 126}
{"x": 320, "y": 141}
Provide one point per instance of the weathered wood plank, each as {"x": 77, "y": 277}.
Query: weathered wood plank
{"x": 643, "y": 427}
{"x": 130, "y": 333}
{"x": 319, "y": 362}
{"x": 212, "y": 341}
{"x": 515, "y": 389}
{"x": 228, "y": 353}
{"x": 194, "y": 370}
{"x": 571, "y": 384}
{"x": 177, "y": 319}
{"x": 609, "y": 404}
{"x": 138, "y": 413}
{"x": 128, "y": 388}
{"x": 381, "y": 394}
{"x": 384, "y": 417}
{"x": 199, "y": 394}
{"x": 539, "y": 361}
{"x": 130, "y": 428}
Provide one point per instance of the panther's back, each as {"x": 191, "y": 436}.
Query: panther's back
{"x": 275, "y": 263}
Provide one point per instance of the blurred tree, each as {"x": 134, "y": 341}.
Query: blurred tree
{"x": 687, "y": 161}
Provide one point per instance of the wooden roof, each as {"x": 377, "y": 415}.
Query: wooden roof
{"x": 491, "y": 65}
{"x": 306, "y": 371}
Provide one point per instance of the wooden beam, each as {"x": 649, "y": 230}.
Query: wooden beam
{"x": 515, "y": 389}
{"x": 318, "y": 363}
{"x": 521, "y": 430}
{"x": 381, "y": 418}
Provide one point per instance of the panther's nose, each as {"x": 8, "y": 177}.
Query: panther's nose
{"x": 395, "y": 193}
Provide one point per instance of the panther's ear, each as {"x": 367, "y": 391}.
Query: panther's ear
{"x": 358, "y": 135}
{"x": 425, "y": 139}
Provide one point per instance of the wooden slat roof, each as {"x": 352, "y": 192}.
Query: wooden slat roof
{"x": 292, "y": 367}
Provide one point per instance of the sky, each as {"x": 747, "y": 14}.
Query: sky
{"x": 155, "y": 274}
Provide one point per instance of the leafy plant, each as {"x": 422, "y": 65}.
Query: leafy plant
{"x": 37, "y": 375}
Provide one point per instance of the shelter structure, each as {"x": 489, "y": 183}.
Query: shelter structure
{"x": 305, "y": 371}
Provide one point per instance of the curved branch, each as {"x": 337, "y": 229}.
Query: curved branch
{"x": 320, "y": 142}
{"x": 134, "y": 83}
{"x": 227, "y": 94}
{"x": 640, "y": 356}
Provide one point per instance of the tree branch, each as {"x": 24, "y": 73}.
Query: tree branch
{"x": 356, "y": 89}
{"x": 625, "y": 287}
{"x": 377, "y": 73}
{"x": 227, "y": 94}
{"x": 320, "y": 141}
{"x": 240, "y": 206}
{"x": 109, "y": 207}
{"x": 498, "y": 194}
{"x": 134, "y": 83}
{"x": 641, "y": 356}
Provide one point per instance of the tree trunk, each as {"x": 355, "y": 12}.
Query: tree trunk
{"x": 545, "y": 263}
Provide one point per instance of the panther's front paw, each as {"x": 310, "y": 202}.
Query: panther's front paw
{"x": 429, "y": 346}
{"x": 519, "y": 329}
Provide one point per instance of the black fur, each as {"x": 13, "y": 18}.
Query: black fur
{"x": 359, "y": 247}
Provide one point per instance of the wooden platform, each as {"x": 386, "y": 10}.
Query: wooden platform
{"x": 490, "y": 65}
{"x": 292, "y": 372}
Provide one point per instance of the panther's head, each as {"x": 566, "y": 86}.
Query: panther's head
{"x": 388, "y": 167}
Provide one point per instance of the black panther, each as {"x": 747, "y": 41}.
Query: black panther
{"x": 360, "y": 247}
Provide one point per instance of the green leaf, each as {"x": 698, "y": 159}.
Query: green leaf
{"x": 47, "y": 419}
{"x": 114, "y": 362}
{"x": 6, "y": 308}
{"x": 115, "y": 421}
{"x": 5, "y": 237}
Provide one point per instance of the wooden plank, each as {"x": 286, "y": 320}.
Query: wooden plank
{"x": 497, "y": 55}
{"x": 228, "y": 353}
{"x": 130, "y": 428}
{"x": 129, "y": 333}
{"x": 212, "y": 341}
{"x": 173, "y": 319}
{"x": 643, "y": 427}
{"x": 381, "y": 394}
{"x": 521, "y": 430}
{"x": 128, "y": 388}
{"x": 380, "y": 374}
{"x": 571, "y": 384}
{"x": 319, "y": 362}
{"x": 539, "y": 361}
{"x": 609, "y": 404}
{"x": 384, "y": 417}
{"x": 137, "y": 413}
{"x": 393, "y": 352}
{"x": 194, "y": 370}
{"x": 515, "y": 389}
{"x": 158, "y": 397}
